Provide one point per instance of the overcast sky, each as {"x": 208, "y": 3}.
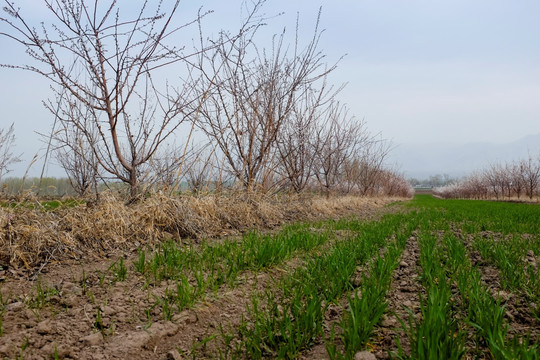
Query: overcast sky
{"x": 426, "y": 71}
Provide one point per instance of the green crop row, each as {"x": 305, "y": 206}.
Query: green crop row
{"x": 285, "y": 325}
{"x": 365, "y": 310}
{"x": 197, "y": 270}
{"x": 517, "y": 274}
{"x": 457, "y": 300}
{"x": 456, "y": 308}
{"x": 436, "y": 334}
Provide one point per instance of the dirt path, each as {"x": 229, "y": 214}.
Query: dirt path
{"x": 402, "y": 297}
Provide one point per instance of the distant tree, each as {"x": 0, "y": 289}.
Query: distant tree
{"x": 392, "y": 183}
{"x": 340, "y": 137}
{"x": 531, "y": 175}
{"x": 414, "y": 181}
{"x": 517, "y": 181}
{"x": 372, "y": 156}
{"x": 297, "y": 142}
{"x": 7, "y": 157}
{"x": 499, "y": 181}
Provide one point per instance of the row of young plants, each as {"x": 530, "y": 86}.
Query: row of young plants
{"x": 193, "y": 271}
{"x": 458, "y": 303}
{"x": 519, "y": 271}
{"x": 365, "y": 310}
{"x": 507, "y": 236}
{"x": 486, "y": 314}
{"x": 436, "y": 333}
{"x": 190, "y": 271}
{"x": 288, "y": 319}
{"x": 459, "y": 316}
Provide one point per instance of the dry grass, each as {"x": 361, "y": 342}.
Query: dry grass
{"x": 30, "y": 237}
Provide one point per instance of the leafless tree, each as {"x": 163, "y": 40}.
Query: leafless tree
{"x": 252, "y": 95}
{"x": 499, "y": 181}
{"x": 531, "y": 175}
{"x": 515, "y": 171}
{"x": 161, "y": 170}
{"x": 7, "y": 157}
{"x": 74, "y": 152}
{"x": 297, "y": 142}
{"x": 116, "y": 58}
{"x": 392, "y": 183}
{"x": 339, "y": 139}
{"x": 493, "y": 179}
{"x": 202, "y": 171}
{"x": 371, "y": 162}
{"x": 351, "y": 175}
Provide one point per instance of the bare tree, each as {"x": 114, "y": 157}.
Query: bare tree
{"x": 7, "y": 157}
{"x": 161, "y": 170}
{"x": 202, "y": 172}
{"x": 252, "y": 95}
{"x": 118, "y": 58}
{"x": 531, "y": 175}
{"x": 74, "y": 152}
{"x": 297, "y": 142}
{"x": 392, "y": 183}
{"x": 498, "y": 181}
{"x": 371, "y": 162}
{"x": 517, "y": 180}
{"x": 339, "y": 138}
{"x": 493, "y": 179}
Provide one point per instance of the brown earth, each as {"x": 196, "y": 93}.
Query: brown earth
{"x": 404, "y": 303}
{"x": 518, "y": 312}
{"x": 84, "y": 314}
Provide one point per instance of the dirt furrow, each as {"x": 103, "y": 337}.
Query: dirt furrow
{"x": 403, "y": 298}
{"x": 191, "y": 327}
{"x": 518, "y": 312}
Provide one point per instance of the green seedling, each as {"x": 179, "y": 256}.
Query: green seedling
{"x": 55, "y": 354}
{"x": 200, "y": 345}
{"x": 98, "y": 324}
{"x": 140, "y": 263}
{"x": 43, "y": 293}
{"x": 24, "y": 346}
{"x": 120, "y": 270}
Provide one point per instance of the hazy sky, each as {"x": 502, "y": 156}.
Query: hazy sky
{"x": 418, "y": 71}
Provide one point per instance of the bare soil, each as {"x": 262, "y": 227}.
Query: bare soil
{"x": 404, "y": 303}
{"x": 519, "y": 312}
{"x": 85, "y": 315}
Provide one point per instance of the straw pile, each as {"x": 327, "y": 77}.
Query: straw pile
{"x": 31, "y": 237}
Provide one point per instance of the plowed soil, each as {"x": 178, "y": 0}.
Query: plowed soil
{"x": 83, "y": 314}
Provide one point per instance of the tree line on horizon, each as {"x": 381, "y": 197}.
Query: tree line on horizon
{"x": 518, "y": 179}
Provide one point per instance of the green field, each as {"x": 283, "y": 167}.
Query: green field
{"x": 429, "y": 279}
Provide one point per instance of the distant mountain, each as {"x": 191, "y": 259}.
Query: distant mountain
{"x": 422, "y": 160}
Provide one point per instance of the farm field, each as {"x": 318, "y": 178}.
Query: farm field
{"x": 424, "y": 279}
